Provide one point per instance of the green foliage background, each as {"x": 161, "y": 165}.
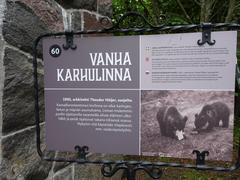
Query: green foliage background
{"x": 181, "y": 11}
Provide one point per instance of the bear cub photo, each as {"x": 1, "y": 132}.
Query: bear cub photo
{"x": 172, "y": 123}
{"x": 176, "y": 122}
{"x": 212, "y": 115}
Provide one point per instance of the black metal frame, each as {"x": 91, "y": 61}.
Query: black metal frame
{"x": 109, "y": 168}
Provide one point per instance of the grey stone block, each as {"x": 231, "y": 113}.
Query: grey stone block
{"x": 49, "y": 12}
{"x": 90, "y": 5}
{"x": 21, "y": 26}
{"x": 85, "y": 4}
{"x": 105, "y": 7}
{"x": 18, "y": 92}
{"x": 65, "y": 174}
{"x": 20, "y": 158}
{"x": 26, "y": 20}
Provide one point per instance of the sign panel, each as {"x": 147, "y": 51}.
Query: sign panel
{"x": 141, "y": 95}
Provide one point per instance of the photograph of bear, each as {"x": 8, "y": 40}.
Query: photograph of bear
{"x": 171, "y": 122}
{"x": 212, "y": 115}
{"x": 176, "y": 122}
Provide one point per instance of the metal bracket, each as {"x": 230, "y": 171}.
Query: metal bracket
{"x": 206, "y": 35}
{"x": 69, "y": 41}
{"x": 82, "y": 152}
{"x": 200, "y": 157}
{"x": 130, "y": 169}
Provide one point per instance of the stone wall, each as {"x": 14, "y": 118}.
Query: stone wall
{"x": 21, "y": 22}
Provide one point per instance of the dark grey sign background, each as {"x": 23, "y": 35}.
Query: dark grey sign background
{"x": 80, "y": 58}
{"x": 65, "y": 135}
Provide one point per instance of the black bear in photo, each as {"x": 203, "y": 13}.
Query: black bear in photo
{"x": 171, "y": 122}
{"x": 211, "y": 115}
